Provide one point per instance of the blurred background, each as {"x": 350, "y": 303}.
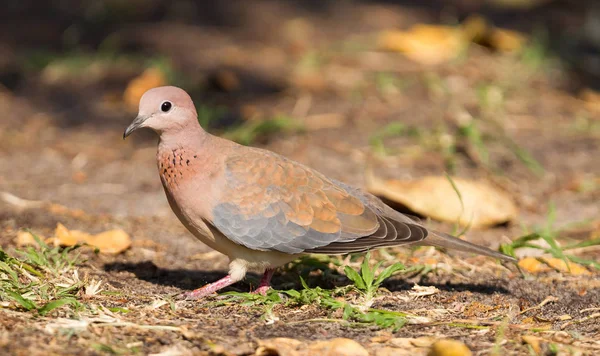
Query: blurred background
{"x": 495, "y": 90}
{"x": 480, "y": 116}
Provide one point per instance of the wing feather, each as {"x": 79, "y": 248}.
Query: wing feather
{"x": 272, "y": 203}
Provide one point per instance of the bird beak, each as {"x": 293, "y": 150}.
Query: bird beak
{"x": 136, "y": 124}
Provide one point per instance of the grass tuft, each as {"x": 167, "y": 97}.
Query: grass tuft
{"x": 41, "y": 279}
{"x": 550, "y": 234}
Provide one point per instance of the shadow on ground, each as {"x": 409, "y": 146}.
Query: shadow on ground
{"x": 189, "y": 279}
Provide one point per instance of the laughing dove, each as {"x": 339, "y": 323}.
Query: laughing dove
{"x": 261, "y": 209}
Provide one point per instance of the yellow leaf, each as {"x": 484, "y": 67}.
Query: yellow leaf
{"x": 449, "y": 348}
{"x": 534, "y": 342}
{"x": 112, "y": 241}
{"x": 25, "y": 238}
{"x": 278, "y": 346}
{"x": 338, "y": 346}
{"x": 506, "y": 40}
{"x": 560, "y": 265}
{"x": 425, "y": 44}
{"x": 532, "y": 265}
{"x": 66, "y": 237}
{"x": 150, "y": 78}
{"x": 483, "y": 205}
{"x": 475, "y": 28}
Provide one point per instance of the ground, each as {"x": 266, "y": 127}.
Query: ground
{"x": 62, "y": 160}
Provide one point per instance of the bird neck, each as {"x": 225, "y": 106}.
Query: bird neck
{"x": 190, "y": 137}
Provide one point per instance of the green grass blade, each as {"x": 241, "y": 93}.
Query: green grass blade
{"x": 48, "y": 307}
{"x": 355, "y": 277}
{"x": 367, "y": 273}
{"x": 388, "y": 272}
{"x": 25, "y": 303}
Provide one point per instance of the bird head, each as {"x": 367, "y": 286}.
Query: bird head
{"x": 164, "y": 109}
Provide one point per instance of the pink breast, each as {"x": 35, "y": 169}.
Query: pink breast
{"x": 176, "y": 166}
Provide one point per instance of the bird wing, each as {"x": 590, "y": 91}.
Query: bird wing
{"x": 269, "y": 202}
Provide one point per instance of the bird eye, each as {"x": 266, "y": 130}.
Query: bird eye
{"x": 166, "y": 106}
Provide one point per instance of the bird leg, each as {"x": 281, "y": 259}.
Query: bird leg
{"x": 209, "y": 288}
{"x": 265, "y": 282}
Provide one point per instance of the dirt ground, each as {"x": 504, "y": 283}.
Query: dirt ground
{"x": 60, "y": 143}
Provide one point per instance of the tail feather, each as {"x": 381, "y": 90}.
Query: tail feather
{"x": 441, "y": 239}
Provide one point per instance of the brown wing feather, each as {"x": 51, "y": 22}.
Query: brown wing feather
{"x": 272, "y": 203}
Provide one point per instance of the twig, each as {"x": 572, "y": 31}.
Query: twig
{"x": 548, "y": 299}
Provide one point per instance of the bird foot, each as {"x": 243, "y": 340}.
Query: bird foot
{"x": 265, "y": 282}
{"x": 207, "y": 289}
{"x": 262, "y": 290}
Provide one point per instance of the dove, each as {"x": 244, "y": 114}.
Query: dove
{"x": 263, "y": 210}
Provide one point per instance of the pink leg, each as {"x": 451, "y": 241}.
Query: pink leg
{"x": 208, "y": 289}
{"x": 265, "y": 282}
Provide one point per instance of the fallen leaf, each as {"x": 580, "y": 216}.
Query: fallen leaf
{"x": 422, "y": 291}
{"x": 506, "y": 40}
{"x": 25, "y": 238}
{"x": 384, "y": 337}
{"x": 63, "y": 210}
{"x": 282, "y": 346}
{"x": 404, "y": 342}
{"x": 533, "y": 265}
{"x": 545, "y": 264}
{"x": 475, "y": 28}
{"x": 425, "y": 44}
{"x": 338, "y": 347}
{"x": 569, "y": 267}
{"x": 534, "y": 342}
{"x": 112, "y": 241}
{"x": 150, "y": 78}
{"x": 66, "y": 237}
{"x": 449, "y": 348}
{"x": 435, "y": 197}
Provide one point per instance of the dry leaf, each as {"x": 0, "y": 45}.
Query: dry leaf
{"x": 63, "y": 210}
{"x": 534, "y": 342}
{"x": 475, "y": 28}
{"x": 560, "y": 265}
{"x": 506, "y": 40}
{"x": 449, "y": 348}
{"x": 338, "y": 346}
{"x": 25, "y": 238}
{"x": 409, "y": 343}
{"x": 435, "y": 197}
{"x": 112, "y": 241}
{"x": 150, "y": 78}
{"x": 435, "y": 44}
{"x": 425, "y": 44}
{"x": 66, "y": 237}
{"x": 278, "y": 346}
{"x": 534, "y": 266}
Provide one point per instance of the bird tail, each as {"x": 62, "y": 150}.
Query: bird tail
{"x": 441, "y": 239}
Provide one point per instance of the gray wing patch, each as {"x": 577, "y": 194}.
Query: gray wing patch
{"x": 259, "y": 232}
